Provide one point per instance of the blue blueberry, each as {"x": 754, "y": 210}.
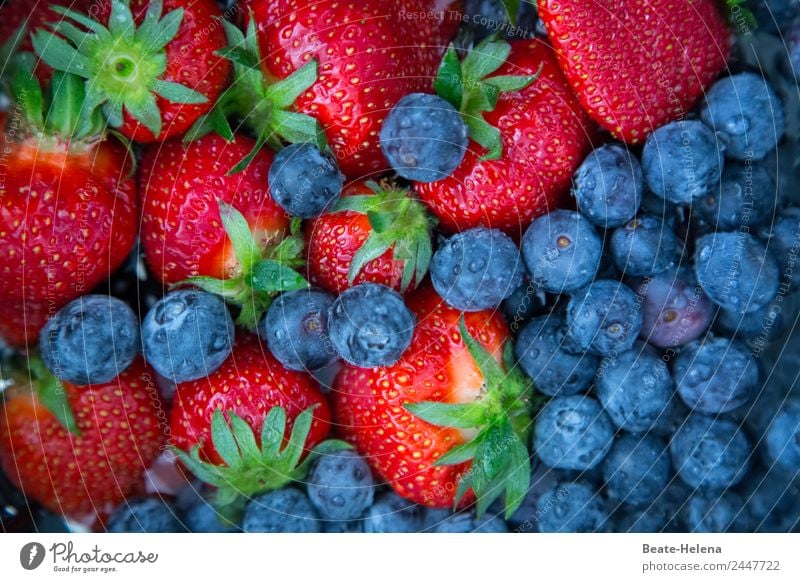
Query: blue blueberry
{"x": 296, "y": 329}
{"x": 370, "y": 325}
{"x": 781, "y": 444}
{"x": 541, "y": 355}
{"x": 90, "y": 340}
{"x": 636, "y": 469}
{"x": 526, "y": 301}
{"x": 682, "y": 161}
{"x": 572, "y": 508}
{"x": 146, "y": 515}
{"x": 645, "y": 246}
{"x": 468, "y": 522}
{"x": 543, "y": 479}
{"x": 561, "y": 251}
{"x": 304, "y": 181}
{"x": 283, "y": 511}
{"x": 710, "y": 453}
{"x": 340, "y": 485}
{"x": 716, "y": 513}
{"x": 486, "y": 17}
{"x": 392, "y": 514}
{"x": 636, "y": 389}
{"x": 716, "y": 375}
{"x": 793, "y": 49}
{"x": 772, "y": 501}
{"x": 757, "y": 328}
{"x": 747, "y": 197}
{"x": 660, "y": 208}
{"x": 773, "y": 15}
{"x": 783, "y": 239}
{"x": 746, "y": 114}
{"x": 424, "y": 138}
{"x": 187, "y": 335}
{"x": 736, "y": 270}
{"x": 476, "y": 269}
{"x": 604, "y": 318}
{"x": 674, "y": 307}
{"x": 204, "y": 518}
{"x": 664, "y": 514}
{"x": 339, "y": 526}
{"x": 609, "y": 186}
{"x": 572, "y": 432}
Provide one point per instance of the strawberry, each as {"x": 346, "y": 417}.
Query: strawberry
{"x": 67, "y": 205}
{"x": 526, "y": 147}
{"x": 221, "y": 232}
{"x": 637, "y": 64}
{"x": 215, "y": 421}
{"x": 80, "y": 451}
{"x": 449, "y": 417}
{"x": 376, "y": 233}
{"x": 150, "y": 65}
{"x": 332, "y": 66}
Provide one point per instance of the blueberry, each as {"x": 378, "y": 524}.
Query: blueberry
{"x": 715, "y": 513}
{"x": 604, "y": 318}
{"x": 645, "y": 246}
{"x": 660, "y": 208}
{"x": 572, "y": 432}
{"x": 636, "y": 389}
{"x": 609, "y": 186}
{"x": 710, "y": 453}
{"x": 90, "y": 340}
{"x": 746, "y": 114}
{"x": 773, "y": 15}
{"x": 526, "y": 301}
{"x": 370, "y": 325}
{"x": 543, "y": 478}
{"x": 296, "y": 329}
{"x": 783, "y": 238}
{"x": 561, "y": 251}
{"x": 674, "y": 307}
{"x": 664, "y": 514}
{"x": 572, "y": 508}
{"x": 747, "y": 197}
{"x": 340, "y": 485}
{"x": 468, "y": 522}
{"x": 339, "y": 526}
{"x": 555, "y": 372}
{"x": 793, "y": 49}
{"x": 636, "y": 469}
{"x": 283, "y": 511}
{"x": 146, "y": 515}
{"x": 781, "y": 445}
{"x": 736, "y": 270}
{"x": 772, "y": 501}
{"x": 187, "y": 335}
{"x": 682, "y": 161}
{"x": 304, "y": 181}
{"x": 204, "y": 518}
{"x": 486, "y": 17}
{"x": 476, "y": 269}
{"x": 716, "y": 375}
{"x": 392, "y": 514}
{"x": 424, "y": 138}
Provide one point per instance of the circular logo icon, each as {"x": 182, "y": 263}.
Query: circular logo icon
{"x": 31, "y": 555}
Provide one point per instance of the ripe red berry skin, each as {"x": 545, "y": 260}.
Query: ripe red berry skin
{"x": 123, "y": 429}
{"x": 182, "y": 234}
{"x": 249, "y": 384}
{"x": 545, "y": 136}
{"x": 368, "y": 403}
{"x": 637, "y": 64}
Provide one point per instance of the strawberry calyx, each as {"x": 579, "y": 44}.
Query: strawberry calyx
{"x": 123, "y": 64}
{"x": 261, "y": 273}
{"x": 398, "y": 222}
{"x": 736, "y": 12}
{"x": 502, "y": 415}
{"x": 254, "y": 466}
{"x": 265, "y": 105}
{"x": 470, "y": 88}
{"x": 51, "y": 394}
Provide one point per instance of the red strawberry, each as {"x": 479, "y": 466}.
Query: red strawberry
{"x": 67, "y": 209}
{"x": 421, "y": 421}
{"x": 79, "y": 451}
{"x": 344, "y": 64}
{"x": 376, "y": 233}
{"x": 150, "y": 67}
{"x": 543, "y": 137}
{"x": 637, "y": 64}
{"x": 234, "y": 250}
{"x": 258, "y": 396}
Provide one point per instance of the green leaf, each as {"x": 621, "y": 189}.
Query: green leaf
{"x": 467, "y": 415}
{"x": 53, "y": 397}
{"x": 224, "y": 443}
{"x": 245, "y": 439}
{"x": 206, "y": 472}
{"x": 298, "y": 128}
{"x": 381, "y": 221}
{"x": 94, "y": 26}
{"x": 373, "y": 247}
{"x": 245, "y": 161}
{"x": 485, "y": 59}
{"x": 56, "y": 52}
{"x": 164, "y": 31}
{"x": 26, "y": 89}
{"x": 226, "y": 288}
{"x": 285, "y": 92}
{"x": 297, "y": 440}
{"x": 449, "y": 82}
{"x": 272, "y": 432}
{"x": 518, "y": 478}
{"x": 423, "y": 260}
{"x": 238, "y": 231}
{"x": 360, "y": 203}
{"x": 67, "y": 103}
{"x": 146, "y": 112}
{"x": 464, "y": 485}
{"x": 273, "y": 276}
{"x": 178, "y": 93}
{"x": 120, "y": 22}
{"x": 487, "y": 136}
{"x": 511, "y": 8}
{"x": 459, "y": 453}
{"x": 493, "y": 374}
{"x": 511, "y": 82}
